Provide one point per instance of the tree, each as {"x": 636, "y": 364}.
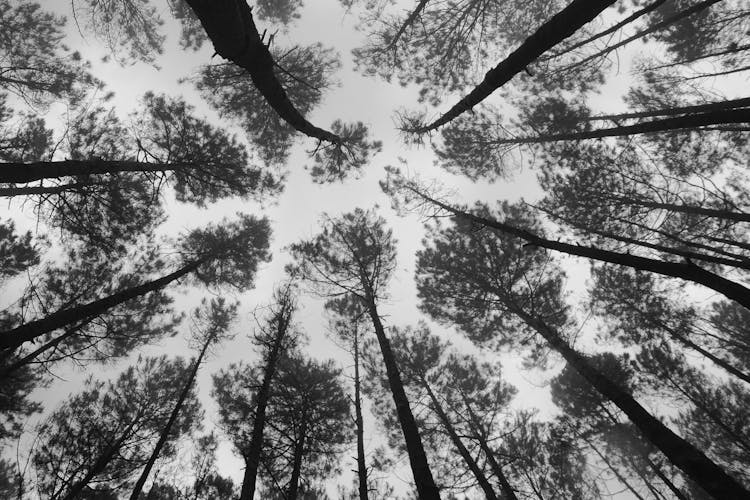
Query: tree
{"x": 211, "y": 323}
{"x": 224, "y": 255}
{"x": 100, "y": 437}
{"x": 480, "y": 282}
{"x": 355, "y": 254}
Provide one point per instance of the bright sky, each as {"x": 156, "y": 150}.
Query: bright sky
{"x": 298, "y": 210}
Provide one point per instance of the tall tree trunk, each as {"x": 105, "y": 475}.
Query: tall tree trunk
{"x": 476, "y": 427}
{"x": 12, "y": 339}
{"x": 252, "y": 457}
{"x": 614, "y": 470}
{"x": 20, "y": 173}
{"x": 361, "y": 465}
{"x": 417, "y": 458}
{"x": 679, "y": 495}
{"x": 489, "y": 493}
{"x": 677, "y": 110}
{"x": 687, "y": 122}
{"x": 172, "y": 419}
{"x": 410, "y": 19}
{"x": 102, "y": 461}
{"x": 32, "y": 190}
{"x": 687, "y": 271}
{"x": 682, "y": 454}
{"x": 561, "y": 26}
{"x": 689, "y": 209}
{"x": 299, "y": 449}
{"x": 230, "y": 26}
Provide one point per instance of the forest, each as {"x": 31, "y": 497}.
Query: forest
{"x": 374, "y": 249}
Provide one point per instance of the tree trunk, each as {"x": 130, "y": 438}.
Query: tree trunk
{"x": 32, "y": 190}
{"x": 687, "y": 122}
{"x": 690, "y": 209}
{"x": 410, "y": 19}
{"x": 561, "y": 26}
{"x": 668, "y": 482}
{"x": 172, "y": 419}
{"x": 687, "y": 271}
{"x": 102, "y": 461}
{"x": 252, "y": 457}
{"x": 417, "y": 458}
{"x": 682, "y": 454}
{"x": 230, "y": 26}
{"x": 614, "y": 470}
{"x": 489, "y": 493}
{"x": 299, "y": 450}
{"x": 21, "y": 173}
{"x": 508, "y": 491}
{"x": 677, "y": 110}
{"x": 361, "y": 465}
{"x": 14, "y": 338}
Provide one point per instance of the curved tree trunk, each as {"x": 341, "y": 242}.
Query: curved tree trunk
{"x": 12, "y": 339}
{"x": 417, "y": 457}
{"x": 682, "y": 454}
{"x": 489, "y": 493}
{"x": 561, "y": 26}
{"x": 168, "y": 427}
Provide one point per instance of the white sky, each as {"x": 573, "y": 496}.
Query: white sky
{"x": 298, "y": 210}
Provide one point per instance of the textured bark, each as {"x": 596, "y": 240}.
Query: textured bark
{"x": 361, "y": 464}
{"x": 417, "y": 458}
{"x": 682, "y": 454}
{"x": 168, "y": 427}
{"x": 687, "y": 122}
{"x": 14, "y": 338}
{"x": 508, "y": 491}
{"x": 252, "y": 456}
{"x": 687, "y": 271}
{"x": 20, "y": 173}
{"x": 299, "y": 449}
{"x": 489, "y": 493}
{"x": 561, "y": 26}
{"x": 230, "y": 26}
{"x": 677, "y": 110}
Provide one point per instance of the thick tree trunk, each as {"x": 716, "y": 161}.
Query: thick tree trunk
{"x": 561, "y": 26}
{"x": 102, "y": 461}
{"x": 299, "y": 450}
{"x": 687, "y": 122}
{"x": 230, "y": 26}
{"x": 361, "y": 464}
{"x": 20, "y": 173}
{"x": 14, "y": 338}
{"x": 682, "y": 454}
{"x": 687, "y": 271}
{"x": 417, "y": 458}
{"x": 476, "y": 427}
{"x": 489, "y": 493}
{"x": 677, "y": 110}
{"x": 168, "y": 428}
{"x": 252, "y": 456}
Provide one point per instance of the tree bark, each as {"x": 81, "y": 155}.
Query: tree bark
{"x": 14, "y": 338}
{"x": 361, "y": 465}
{"x": 677, "y": 110}
{"x": 688, "y": 209}
{"x": 687, "y": 122}
{"x": 252, "y": 457}
{"x": 682, "y": 454}
{"x": 299, "y": 449}
{"x": 561, "y": 26}
{"x": 489, "y": 493}
{"x": 508, "y": 491}
{"x": 21, "y": 173}
{"x": 230, "y": 26}
{"x": 417, "y": 458}
{"x": 172, "y": 419}
{"x": 687, "y": 271}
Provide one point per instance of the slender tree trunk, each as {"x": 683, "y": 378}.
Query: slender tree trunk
{"x": 299, "y": 450}
{"x": 561, "y": 26}
{"x": 686, "y": 271}
{"x": 230, "y": 26}
{"x": 102, "y": 461}
{"x": 731, "y": 49}
{"x": 417, "y": 458}
{"x": 614, "y": 470}
{"x": 682, "y": 454}
{"x": 20, "y": 173}
{"x": 252, "y": 457}
{"x": 361, "y": 465}
{"x": 677, "y": 110}
{"x": 508, "y": 491}
{"x": 172, "y": 419}
{"x": 32, "y": 190}
{"x": 690, "y": 209}
{"x": 687, "y": 122}
{"x": 668, "y": 482}
{"x": 489, "y": 493}
{"x": 410, "y": 19}
{"x": 14, "y": 338}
